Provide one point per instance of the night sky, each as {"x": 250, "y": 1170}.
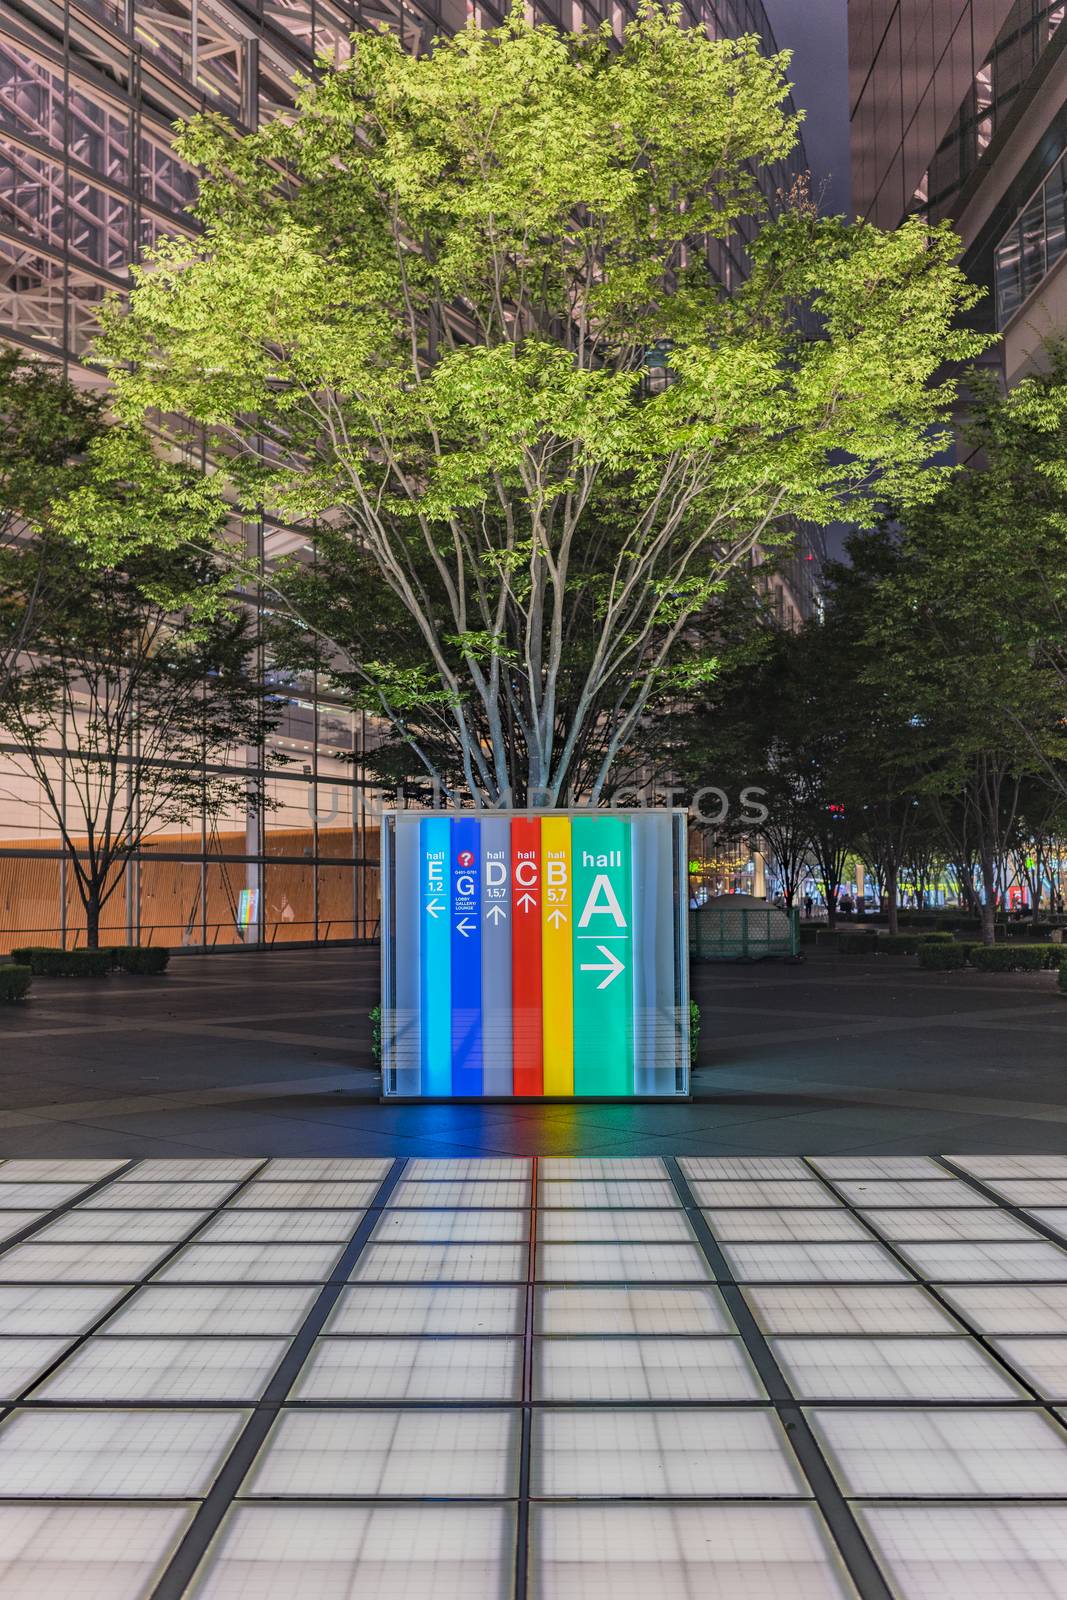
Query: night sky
{"x": 817, "y": 33}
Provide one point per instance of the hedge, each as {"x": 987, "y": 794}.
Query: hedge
{"x": 143, "y": 960}
{"x": 46, "y": 962}
{"x": 1063, "y": 977}
{"x": 936, "y": 956}
{"x": 14, "y": 983}
{"x": 1016, "y": 957}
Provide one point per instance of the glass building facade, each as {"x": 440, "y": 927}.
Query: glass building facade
{"x": 959, "y": 110}
{"x": 89, "y": 93}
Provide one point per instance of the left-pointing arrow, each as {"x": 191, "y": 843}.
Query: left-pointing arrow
{"x": 466, "y": 927}
{"x": 434, "y": 907}
{"x": 612, "y": 966}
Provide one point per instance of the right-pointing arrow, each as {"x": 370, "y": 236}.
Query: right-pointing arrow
{"x": 612, "y": 966}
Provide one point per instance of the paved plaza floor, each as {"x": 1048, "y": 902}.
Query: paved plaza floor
{"x": 269, "y": 1054}
{"x": 264, "y": 1338}
{"x": 357, "y": 1378}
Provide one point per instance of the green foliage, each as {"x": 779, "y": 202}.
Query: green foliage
{"x": 140, "y": 960}
{"x": 375, "y": 1019}
{"x": 694, "y": 1031}
{"x": 46, "y": 962}
{"x": 128, "y": 499}
{"x": 1015, "y": 957}
{"x": 46, "y": 425}
{"x": 965, "y": 632}
{"x": 439, "y": 336}
{"x": 15, "y": 982}
{"x": 1061, "y": 981}
{"x": 941, "y": 957}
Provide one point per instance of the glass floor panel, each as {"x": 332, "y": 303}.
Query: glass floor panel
{"x": 431, "y": 1552}
{"x": 662, "y": 1454}
{"x": 406, "y": 1310}
{"x": 119, "y": 1371}
{"x": 19, "y": 1170}
{"x": 631, "y": 1311}
{"x": 622, "y": 1370}
{"x": 766, "y": 1552}
{"x": 396, "y": 1398}
{"x": 967, "y": 1552}
{"x": 108, "y": 1552}
{"x": 313, "y": 1454}
{"x": 394, "y": 1369}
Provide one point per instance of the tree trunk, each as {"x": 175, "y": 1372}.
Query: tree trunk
{"x": 891, "y": 899}
{"x": 831, "y": 904}
{"x": 92, "y": 919}
{"x": 989, "y": 900}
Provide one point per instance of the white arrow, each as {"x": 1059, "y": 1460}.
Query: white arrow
{"x": 464, "y": 927}
{"x": 557, "y": 915}
{"x": 613, "y": 966}
{"x": 434, "y": 907}
{"x": 527, "y": 900}
{"x": 496, "y": 912}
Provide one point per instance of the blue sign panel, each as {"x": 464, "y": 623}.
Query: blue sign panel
{"x": 466, "y": 941}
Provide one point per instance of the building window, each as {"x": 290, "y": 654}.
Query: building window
{"x": 1033, "y": 244}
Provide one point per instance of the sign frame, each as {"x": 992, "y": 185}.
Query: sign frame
{"x": 544, "y": 881}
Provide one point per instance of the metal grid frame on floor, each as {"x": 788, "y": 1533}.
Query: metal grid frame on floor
{"x": 533, "y": 1378}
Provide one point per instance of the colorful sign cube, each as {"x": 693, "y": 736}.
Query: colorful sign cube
{"x": 534, "y": 955}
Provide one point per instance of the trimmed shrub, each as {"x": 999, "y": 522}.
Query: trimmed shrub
{"x": 938, "y": 957}
{"x": 1062, "y": 981}
{"x": 694, "y": 1030}
{"x": 376, "y": 1035}
{"x": 14, "y": 983}
{"x": 857, "y": 944}
{"x": 143, "y": 960}
{"x": 1011, "y": 957}
{"x": 46, "y": 962}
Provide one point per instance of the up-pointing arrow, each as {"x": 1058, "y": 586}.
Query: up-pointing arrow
{"x": 557, "y": 915}
{"x": 465, "y": 927}
{"x": 496, "y": 913}
{"x": 434, "y": 907}
{"x": 526, "y": 900}
{"x": 613, "y": 966}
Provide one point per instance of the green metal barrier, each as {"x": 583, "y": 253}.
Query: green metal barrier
{"x": 720, "y": 933}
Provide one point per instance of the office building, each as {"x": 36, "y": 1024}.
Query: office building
{"x": 959, "y": 109}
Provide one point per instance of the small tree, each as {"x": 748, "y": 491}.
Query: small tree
{"x": 460, "y": 308}
{"x": 46, "y": 426}
{"x": 967, "y": 631}
{"x": 141, "y": 682}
